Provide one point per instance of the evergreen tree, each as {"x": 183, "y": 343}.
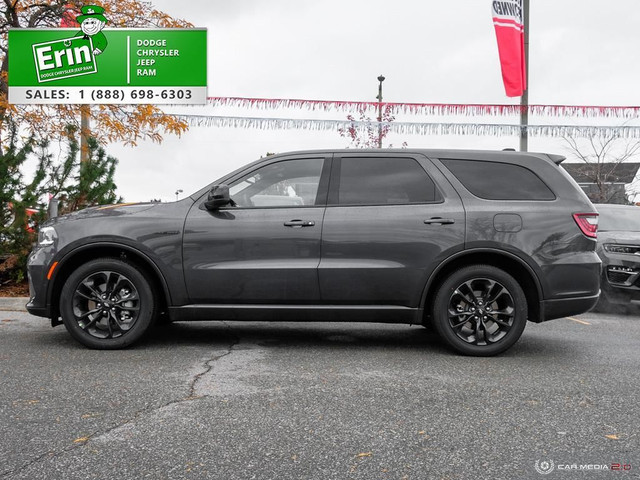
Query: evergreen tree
{"x": 16, "y": 196}
{"x": 78, "y": 184}
{"x": 75, "y": 183}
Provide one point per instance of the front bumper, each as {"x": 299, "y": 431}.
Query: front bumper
{"x": 38, "y": 265}
{"x": 620, "y": 293}
{"x": 621, "y": 278}
{"x": 33, "y": 309}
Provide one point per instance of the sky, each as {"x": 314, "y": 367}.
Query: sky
{"x": 582, "y": 52}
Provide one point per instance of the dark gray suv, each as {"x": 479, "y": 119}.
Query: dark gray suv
{"x": 474, "y": 242}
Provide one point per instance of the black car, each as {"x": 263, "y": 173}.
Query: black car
{"x": 475, "y": 242}
{"x": 619, "y": 250}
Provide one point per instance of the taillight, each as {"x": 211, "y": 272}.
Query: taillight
{"x": 588, "y": 223}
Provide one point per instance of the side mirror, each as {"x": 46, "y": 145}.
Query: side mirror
{"x": 218, "y": 197}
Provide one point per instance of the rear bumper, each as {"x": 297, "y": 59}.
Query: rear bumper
{"x": 559, "y": 308}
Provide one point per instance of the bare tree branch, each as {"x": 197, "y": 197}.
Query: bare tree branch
{"x": 601, "y": 160}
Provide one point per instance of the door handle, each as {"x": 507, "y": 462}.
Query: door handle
{"x": 440, "y": 221}
{"x": 299, "y": 223}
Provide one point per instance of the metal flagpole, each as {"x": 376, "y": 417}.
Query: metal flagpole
{"x": 379, "y": 97}
{"x": 524, "y": 100}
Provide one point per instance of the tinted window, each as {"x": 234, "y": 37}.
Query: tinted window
{"x": 291, "y": 183}
{"x": 380, "y": 181}
{"x": 499, "y": 181}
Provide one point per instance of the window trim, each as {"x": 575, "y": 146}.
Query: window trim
{"x": 334, "y": 182}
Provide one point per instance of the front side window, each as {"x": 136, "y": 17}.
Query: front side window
{"x": 384, "y": 181}
{"x": 290, "y": 183}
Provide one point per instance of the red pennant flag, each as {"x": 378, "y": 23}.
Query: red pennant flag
{"x": 508, "y": 19}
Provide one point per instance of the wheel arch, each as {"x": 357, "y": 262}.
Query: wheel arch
{"x": 510, "y": 263}
{"x": 85, "y": 253}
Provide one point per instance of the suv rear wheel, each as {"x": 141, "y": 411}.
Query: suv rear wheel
{"x": 107, "y": 304}
{"x": 480, "y": 310}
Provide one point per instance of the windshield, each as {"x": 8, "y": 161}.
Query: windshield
{"x": 619, "y": 219}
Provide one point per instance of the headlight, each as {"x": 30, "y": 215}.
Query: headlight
{"x": 47, "y": 235}
{"x": 628, "y": 249}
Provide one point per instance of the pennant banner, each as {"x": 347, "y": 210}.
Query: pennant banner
{"x": 472, "y": 109}
{"x": 508, "y": 20}
{"x": 411, "y": 128}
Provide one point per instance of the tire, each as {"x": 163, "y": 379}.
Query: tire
{"x": 480, "y": 310}
{"x": 107, "y": 304}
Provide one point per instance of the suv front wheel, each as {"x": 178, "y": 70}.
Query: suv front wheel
{"x": 480, "y": 310}
{"x": 107, "y": 304}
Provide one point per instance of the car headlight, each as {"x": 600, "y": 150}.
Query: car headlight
{"x": 628, "y": 249}
{"x": 47, "y": 236}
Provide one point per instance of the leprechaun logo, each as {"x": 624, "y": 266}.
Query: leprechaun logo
{"x": 92, "y": 21}
{"x": 71, "y": 57}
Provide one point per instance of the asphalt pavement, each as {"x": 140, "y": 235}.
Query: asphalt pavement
{"x": 224, "y": 400}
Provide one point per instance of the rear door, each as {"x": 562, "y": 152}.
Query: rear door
{"x": 390, "y": 220}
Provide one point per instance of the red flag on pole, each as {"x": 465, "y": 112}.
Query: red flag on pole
{"x": 508, "y": 19}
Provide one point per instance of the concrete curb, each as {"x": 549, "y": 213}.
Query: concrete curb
{"x": 13, "y": 304}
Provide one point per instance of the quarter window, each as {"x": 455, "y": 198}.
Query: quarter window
{"x": 384, "y": 181}
{"x": 291, "y": 183}
{"x": 498, "y": 181}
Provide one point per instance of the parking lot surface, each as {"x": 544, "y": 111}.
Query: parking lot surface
{"x": 227, "y": 400}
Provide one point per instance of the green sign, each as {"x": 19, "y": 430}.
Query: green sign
{"x": 112, "y": 66}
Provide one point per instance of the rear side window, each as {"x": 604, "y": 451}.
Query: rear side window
{"x": 499, "y": 181}
{"x": 384, "y": 181}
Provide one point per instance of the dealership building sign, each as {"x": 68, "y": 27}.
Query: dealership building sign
{"x": 123, "y": 65}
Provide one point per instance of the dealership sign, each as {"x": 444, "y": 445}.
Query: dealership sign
{"x": 123, "y": 65}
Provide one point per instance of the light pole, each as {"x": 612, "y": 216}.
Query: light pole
{"x": 379, "y": 97}
{"x": 179, "y": 191}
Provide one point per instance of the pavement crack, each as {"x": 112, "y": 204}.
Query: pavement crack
{"x": 87, "y": 438}
{"x": 209, "y": 364}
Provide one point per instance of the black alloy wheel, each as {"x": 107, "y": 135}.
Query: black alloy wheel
{"x": 480, "y": 310}
{"x": 107, "y": 304}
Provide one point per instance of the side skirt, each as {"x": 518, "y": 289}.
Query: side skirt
{"x": 295, "y": 313}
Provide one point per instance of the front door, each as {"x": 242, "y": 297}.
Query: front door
{"x": 266, "y": 248}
